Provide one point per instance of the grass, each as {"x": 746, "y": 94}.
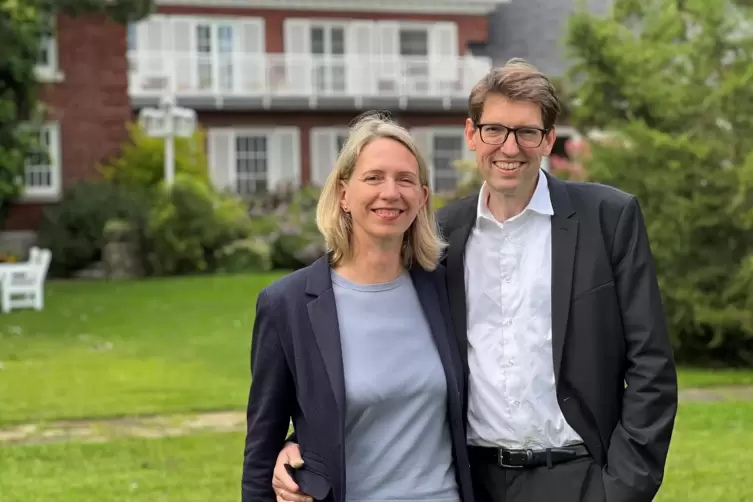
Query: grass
{"x": 103, "y": 349}
{"x": 711, "y": 454}
{"x": 110, "y": 349}
{"x": 709, "y": 461}
{"x": 703, "y": 378}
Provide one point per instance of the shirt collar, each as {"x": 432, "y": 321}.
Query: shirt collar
{"x": 540, "y": 202}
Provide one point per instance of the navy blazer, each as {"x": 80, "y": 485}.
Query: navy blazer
{"x": 297, "y": 372}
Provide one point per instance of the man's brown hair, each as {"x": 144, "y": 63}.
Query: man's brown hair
{"x": 517, "y": 80}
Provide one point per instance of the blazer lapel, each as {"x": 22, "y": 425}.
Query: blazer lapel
{"x": 456, "y": 275}
{"x": 427, "y": 296}
{"x": 564, "y": 240}
{"x": 322, "y": 313}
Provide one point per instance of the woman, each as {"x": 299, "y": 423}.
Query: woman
{"x": 357, "y": 348}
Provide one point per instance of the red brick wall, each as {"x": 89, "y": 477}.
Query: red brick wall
{"x": 305, "y": 121}
{"x": 91, "y": 103}
{"x": 470, "y": 28}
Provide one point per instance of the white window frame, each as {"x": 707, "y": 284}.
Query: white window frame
{"x": 188, "y": 62}
{"x": 50, "y": 70}
{"x": 328, "y": 60}
{"x": 425, "y": 138}
{"x": 415, "y": 26}
{"x": 54, "y": 190}
{"x": 326, "y": 153}
{"x": 266, "y": 155}
{"x": 230, "y": 176}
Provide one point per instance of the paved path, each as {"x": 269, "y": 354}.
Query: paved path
{"x": 223, "y": 421}
{"x": 92, "y": 430}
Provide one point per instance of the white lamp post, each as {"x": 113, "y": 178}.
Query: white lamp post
{"x": 168, "y": 121}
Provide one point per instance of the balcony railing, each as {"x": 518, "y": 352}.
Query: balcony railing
{"x": 307, "y": 76}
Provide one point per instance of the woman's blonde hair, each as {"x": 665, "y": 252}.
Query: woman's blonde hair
{"x": 422, "y": 243}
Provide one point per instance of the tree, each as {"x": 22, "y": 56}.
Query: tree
{"x": 19, "y": 38}
{"x": 21, "y": 28}
{"x": 671, "y": 81}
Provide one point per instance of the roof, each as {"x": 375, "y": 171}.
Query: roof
{"x": 534, "y": 30}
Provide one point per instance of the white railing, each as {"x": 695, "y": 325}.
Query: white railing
{"x": 287, "y": 75}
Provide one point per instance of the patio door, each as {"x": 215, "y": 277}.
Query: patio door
{"x": 328, "y": 51}
{"x": 214, "y": 55}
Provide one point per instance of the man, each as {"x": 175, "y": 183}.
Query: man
{"x": 572, "y": 384}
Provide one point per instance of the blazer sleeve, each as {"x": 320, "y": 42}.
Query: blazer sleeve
{"x": 269, "y": 405}
{"x": 640, "y": 442}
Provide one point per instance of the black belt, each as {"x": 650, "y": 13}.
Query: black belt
{"x": 526, "y": 459}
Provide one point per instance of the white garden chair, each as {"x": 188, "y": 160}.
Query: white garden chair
{"x": 22, "y": 284}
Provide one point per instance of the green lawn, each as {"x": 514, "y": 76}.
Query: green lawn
{"x": 709, "y": 461}
{"x": 103, "y": 349}
{"x": 699, "y": 378}
{"x": 106, "y": 349}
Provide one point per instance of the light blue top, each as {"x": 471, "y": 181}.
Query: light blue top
{"x": 397, "y": 434}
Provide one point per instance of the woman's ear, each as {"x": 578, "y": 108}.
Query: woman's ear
{"x": 344, "y": 196}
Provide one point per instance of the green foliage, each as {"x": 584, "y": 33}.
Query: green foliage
{"x": 188, "y": 222}
{"x": 245, "y": 255}
{"x": 672, "y": 82}
{"x": 19, "y": 39}
{"x": 74, "y": 229}
{"x": 118, "y": 230}
{"x": 141, "y": 162}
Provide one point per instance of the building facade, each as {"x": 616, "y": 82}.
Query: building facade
{"x": 274, "y": 83}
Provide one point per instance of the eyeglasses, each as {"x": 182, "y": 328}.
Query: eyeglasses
{"x": 525, "y": 137}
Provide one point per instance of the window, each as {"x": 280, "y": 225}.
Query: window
{"x": 47, "y": 59}
{"x": 340, "y": 139}
{"x": 326, "y": 144}
{"x": 328, "y": 50}
{"x": 414, "y": 48}
{"x": 43, "y": 173}
{"x": 251, "y": 161}
{"x": 442, "y": 147}
{"x": 204, "y": 56}
{"x": 132, "y": 37}
{"x": 447, "y": 149}
{"x": 414, "y": 42}
{"x": 208, "y": 53}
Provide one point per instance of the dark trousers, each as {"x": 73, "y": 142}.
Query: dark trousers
{"x": 573, "y": 481}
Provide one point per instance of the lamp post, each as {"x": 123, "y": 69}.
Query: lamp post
{"x": 168, "y": 121}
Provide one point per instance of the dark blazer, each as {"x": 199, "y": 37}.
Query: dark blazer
{"x": 297, "y": 371}
{"x": 614, "y": 370}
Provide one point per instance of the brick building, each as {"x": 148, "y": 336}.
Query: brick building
{"x": 274, "y": 83}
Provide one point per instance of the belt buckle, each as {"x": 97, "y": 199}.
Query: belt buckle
{"x": 504, "y": 458}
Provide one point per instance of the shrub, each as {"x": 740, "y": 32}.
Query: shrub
{"x": 188, "y": 223}
{"x": 141, "y": 162}
{"x": 244, "y": 255}
{"x": 74, "y": 229}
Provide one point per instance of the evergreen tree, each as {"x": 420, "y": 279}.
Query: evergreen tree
{"x": 671, "y": 82}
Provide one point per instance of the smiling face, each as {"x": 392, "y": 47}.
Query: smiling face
{"x": 384, "y": 193}
{"x": 509, "y": 168}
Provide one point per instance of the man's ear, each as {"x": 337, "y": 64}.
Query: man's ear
{"x": 470, "y": 135}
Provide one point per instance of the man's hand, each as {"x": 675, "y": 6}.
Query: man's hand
{"x": 282, "y": 483}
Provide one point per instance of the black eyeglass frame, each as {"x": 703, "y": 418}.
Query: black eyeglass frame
{"x": 514, "y": 131}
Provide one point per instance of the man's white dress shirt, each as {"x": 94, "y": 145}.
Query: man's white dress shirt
{"x": 508, "y": 273}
